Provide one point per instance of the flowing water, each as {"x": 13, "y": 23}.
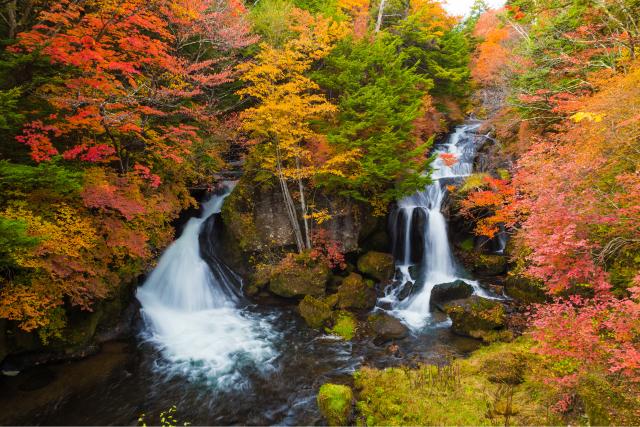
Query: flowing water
{"x": 220, "y": 360}
{"x": 421, "y": 240}
{"x": 193, "y": 316}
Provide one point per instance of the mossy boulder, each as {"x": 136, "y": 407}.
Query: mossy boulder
{"x": 314, "y": 311}
{"x": 524, "y": 290}
{"x": 377, "y": 265}
{"x": 336, "y": 403}
{"x": 387, "y": 328}
{"x": 474, "y": 316}
{"x": 299, "y": 280}
{"x": 446, "y": 292}
{"x": 485, "y": 265}
{"x": 355, "y": 292}
{"x": 345, "y": 325}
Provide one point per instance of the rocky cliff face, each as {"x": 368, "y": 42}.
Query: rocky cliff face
{"x": 256, "y": 223}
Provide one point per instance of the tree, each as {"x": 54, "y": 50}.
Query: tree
{"x": 379, "y": 98}
{"x": 287, "y": 101}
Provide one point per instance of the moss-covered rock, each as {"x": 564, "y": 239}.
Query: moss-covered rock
{"x": 299, "y": 279}
{"x": 354, "y": 292}
{"x": 377, "y": 265}
{"x": 524, "y": 290}
{"x": 486, "y": 265}
{"x": 345, "y": 325}
{"x": 474, "y": 316}
{"x": 314, "y": 311}
{"x": 335, "y": 402}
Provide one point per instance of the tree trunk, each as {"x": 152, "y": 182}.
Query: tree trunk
{"x": 383, "y": 3}
{"x": 289, "y": 205}
{"x": 303, "y": 209}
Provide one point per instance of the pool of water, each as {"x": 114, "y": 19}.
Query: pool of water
{"x": 130, "y": 378}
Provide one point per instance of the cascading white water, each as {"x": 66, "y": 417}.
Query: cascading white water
{"x": 192, "y": 315}
{"x": 437, "y": 264}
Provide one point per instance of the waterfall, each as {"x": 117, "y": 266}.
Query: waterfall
{"x": 192, "y": 315}
{"x": 417, "y": 274}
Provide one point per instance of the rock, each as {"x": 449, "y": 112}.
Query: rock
{"x": 387, "y": 328}
{"x": 335, "y": 403}
{"x": 345, "y": 325}
{"x": 255, "y": 217}
{"x": 331, "y": 300}
{"x": 406, "y": 290}
{"x": 524, "y": 290}
{"x": 484, "y": 265}
{"x": 446, "y": 292}
{"x": 355, "y": 293}
{"x": 300, "y": 280}
{"x": 475, "y": 315}
{"x": 314, "y": 311}
{"x": 377, "y": 265}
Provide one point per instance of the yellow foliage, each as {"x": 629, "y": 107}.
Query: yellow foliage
{"x": 287, "y": 99}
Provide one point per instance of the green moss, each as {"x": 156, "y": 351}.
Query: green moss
{"x": 237, "y": 214}
{"x": 498, "y": 385}
{"x": 524, "y": 290}
{"x": 354, "y": 292}
{"x": 314, "y": 311}
{"x": 503, "y": 174}
{"x": 475, "y": 315}
{"x": 299, "y": 279}
{"x": 335, "y": 403}
{"x": 467, "y": 245}
{"x": 345, "y": 325}
{"x": 377, "y": 265}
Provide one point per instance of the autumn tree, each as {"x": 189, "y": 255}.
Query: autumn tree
{"x": 117, "y": 103}
{"x": 287, "y": 101}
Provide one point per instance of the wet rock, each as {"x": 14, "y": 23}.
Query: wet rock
{"x": 314, "y": 311}
{"x": 377, "y": 265}
{"x": 336, "y": 403}
{"x": 406, "y": 290}
{"x": 474, "y": 316}
{"x": 299, "y": 280}
{"x": 446, "y": 292}
{"x": 355, "y": 293}
{"x": 387, "y": 328}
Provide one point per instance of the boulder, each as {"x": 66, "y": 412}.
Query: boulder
{"x": 314, "y": 311}
{"x": 474, "y": 316}
{"x": 355, "y": 293}
{"x": 377, "y": 265}
{"x": 406, "y": 290}
{"x": 335, "y": 403}
{"x": 345, "y": 325}
{"x": 484, "y": 265}
{"x": 446, "y": 292}
{"x": 299, "y": 280}
{"x": 387, "y": 328}
{"x": 524, "y": 289}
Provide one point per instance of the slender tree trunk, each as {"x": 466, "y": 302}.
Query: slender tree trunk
{"x": 303, "y": 208}
{"x": 289, "y": 205}
{"x": 383, "y": 4}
